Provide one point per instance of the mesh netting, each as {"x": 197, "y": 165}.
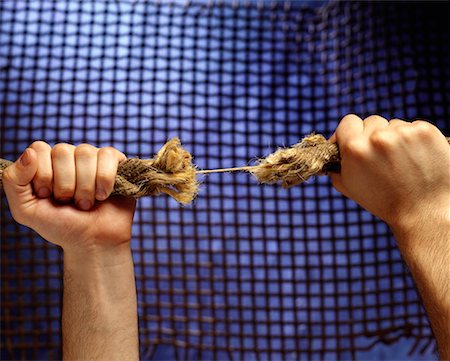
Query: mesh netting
{"x": 247, "y": 271}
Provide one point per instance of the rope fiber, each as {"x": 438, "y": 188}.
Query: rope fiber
{"x": 171, "y": 170}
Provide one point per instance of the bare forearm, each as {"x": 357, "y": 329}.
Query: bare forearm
{"x": 99, "y": 306}
{"x": 425, "y": 246}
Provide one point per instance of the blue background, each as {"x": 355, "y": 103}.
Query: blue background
{"x": 247, "y": 271}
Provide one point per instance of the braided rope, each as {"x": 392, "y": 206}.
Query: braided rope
{"x": 172, "y": 172}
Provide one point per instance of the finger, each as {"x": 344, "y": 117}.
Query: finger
{"x": 333, "y": 138}
{"x": 86, "y": 169}
{"x": 107, "y": 163}
{"x": 394, "y": 123}
{"x": 350, "y": 127}
{"x": 401, "y": 132}
{"x": 63, "y": 162}
{"x": 43, "y": 180}
{"x": 17, "y": 183}
{"x": 336, "y": 179}
{"x": 373, "y": 123}
{"x": 427, "y": 132}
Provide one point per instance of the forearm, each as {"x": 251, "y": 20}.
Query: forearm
{"x": 99, "y": 319}
{"x": 425, "y": 246}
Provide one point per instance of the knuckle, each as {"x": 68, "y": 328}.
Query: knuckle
{"x": 62, "y": 150}
{"x": 398, "y": 123}
{"x": 351, "y": 117}
{"x": 381, "y": 139}
{"x": 404, "y": 131}
{"x": 374, "y": 117}
{"x": 111, "y": 152}
{"x": 108, "y": 150}
{"x": 354, "y": 148}
{"x": 85, "y": 150}
{"x": 39, "y": 145}
{"x": 423, "y": 129}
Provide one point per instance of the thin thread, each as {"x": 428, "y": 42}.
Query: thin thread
{"x": 223, "y": 170}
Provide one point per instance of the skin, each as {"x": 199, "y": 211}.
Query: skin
{"x": 396, "y": 170}
{"x": 400, "y": 172}
{"x": 60, "y": 193}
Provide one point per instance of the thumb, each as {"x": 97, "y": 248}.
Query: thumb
{"x": 337, "y": 183}
{"x": 17, "y": 179}
{"x": 333, "y": 138}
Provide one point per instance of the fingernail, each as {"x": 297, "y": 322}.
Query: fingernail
{"x": 84, "y": 204}
{"x": 101, "y": 194}
{"x": 44, "y": 192}
{"x": 25, "y": 158}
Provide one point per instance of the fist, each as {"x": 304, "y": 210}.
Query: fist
{"x": 62, "y": 193}
{"x": 79, "y": 174}
{"x": 397, "y": 170}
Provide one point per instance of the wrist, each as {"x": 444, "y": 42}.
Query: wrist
{"x": 104, "y": 274}
{"x": 97, "y": 255}
{"x": 424, "y": 243}
{"x": 411, "y": 228}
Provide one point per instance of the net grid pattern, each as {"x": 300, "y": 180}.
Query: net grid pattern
{"x": 247, "y": 271}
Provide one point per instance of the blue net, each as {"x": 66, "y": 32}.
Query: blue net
{"x": 247, "y": 271}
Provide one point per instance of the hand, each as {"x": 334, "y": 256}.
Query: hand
{"x": 398, "y": 171}
{"x": 62, "y": 194}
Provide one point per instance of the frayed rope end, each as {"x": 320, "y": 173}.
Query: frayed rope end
{"x": 313, "y": 155}
{"x": 171, "y": 172}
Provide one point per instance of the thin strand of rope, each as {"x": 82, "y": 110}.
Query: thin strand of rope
{"x": 224, "y": 170}
{"x": 313, "y": 155}
{"x": 172, "y": 172}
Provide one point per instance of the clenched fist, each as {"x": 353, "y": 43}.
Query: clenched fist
{"x": 397, "y": 170}
{"x": 62, "y": 193}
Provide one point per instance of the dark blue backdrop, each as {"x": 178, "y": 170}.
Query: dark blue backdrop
{"x": 247, "y": 271}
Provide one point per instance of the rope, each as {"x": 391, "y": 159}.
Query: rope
{"x": 172, "y": 172}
